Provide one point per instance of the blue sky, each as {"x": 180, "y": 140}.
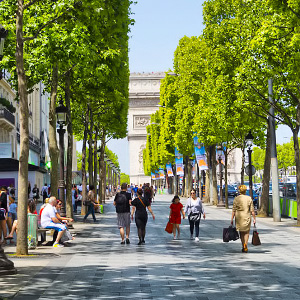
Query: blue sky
{"x": 159, "y": 25}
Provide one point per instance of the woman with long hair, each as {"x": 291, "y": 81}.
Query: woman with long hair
{"x": 139, "y": 207}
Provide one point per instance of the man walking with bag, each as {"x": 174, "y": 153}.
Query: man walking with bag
{"x": 122, "y": 203}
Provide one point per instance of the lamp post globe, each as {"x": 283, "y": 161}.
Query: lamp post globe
{"x": 61, "y": 117}
{"x": 249, "y": 142}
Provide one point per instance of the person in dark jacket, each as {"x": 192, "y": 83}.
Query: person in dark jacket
{"x": 139, "y": 206}
{"x": 3, "y": 212}
{"x": 122, "y": 203}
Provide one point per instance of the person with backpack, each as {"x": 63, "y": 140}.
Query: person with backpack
{"x": 122, "y": 203}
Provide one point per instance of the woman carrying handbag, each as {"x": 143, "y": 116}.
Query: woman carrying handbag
{"x": 193, "y": 209}
{"x": 242, "y": 210}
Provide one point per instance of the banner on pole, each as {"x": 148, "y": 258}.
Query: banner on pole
{"x": 161, "y": 173}
{"x": 200, "y": 154}
{"x": 153, "y": 176}
{"x": 179, "y": 162}
{"x": 169, "y": 170}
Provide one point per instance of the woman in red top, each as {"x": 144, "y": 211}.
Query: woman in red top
{"x": 176, "y": 208}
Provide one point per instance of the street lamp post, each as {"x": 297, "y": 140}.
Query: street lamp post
{"x": 6, "y": 266}
{"x": 3, "y": 35}
{"x": 61, "y": 115}
{"x": 220, "y": 152}
{"x": 249, "y": 143}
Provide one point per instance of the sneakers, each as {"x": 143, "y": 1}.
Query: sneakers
{"x": 191, "y": 237}
{"x": 196, "y": 239}
{"x": 174, "y": 238}
{"x": 57, "y": 245}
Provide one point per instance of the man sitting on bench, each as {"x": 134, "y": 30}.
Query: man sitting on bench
{"x": 49, "y": 221}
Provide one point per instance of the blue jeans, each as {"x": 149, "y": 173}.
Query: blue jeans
{"x": 91, "y": 210}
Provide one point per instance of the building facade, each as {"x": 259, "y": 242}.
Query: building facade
{"x": 38, "y": 104}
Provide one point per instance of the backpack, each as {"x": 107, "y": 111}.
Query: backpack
{"x": 121, "y": 203}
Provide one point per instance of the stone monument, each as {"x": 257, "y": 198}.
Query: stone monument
{"x": 144, "y": 91}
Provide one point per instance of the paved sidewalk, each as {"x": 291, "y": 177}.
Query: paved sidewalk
{"x": 96, "y": 266}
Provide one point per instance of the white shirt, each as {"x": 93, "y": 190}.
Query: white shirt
{"x": 47, "y": 214}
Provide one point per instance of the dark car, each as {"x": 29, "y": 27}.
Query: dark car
{"x": 231, "y": 191}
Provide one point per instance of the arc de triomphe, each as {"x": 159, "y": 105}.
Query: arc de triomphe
{"x": 143, "y": 101}
{"x": 144, "y": 92}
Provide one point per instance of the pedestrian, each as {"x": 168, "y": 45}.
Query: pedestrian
{"x": 147, "y": 193}
{"x": 242, "y": 210}
{"x": 139, "y": 206}
{"x": 44, "y": 192}
{"x": 35, "y": 193}
{"x": 3, "y": 212}
{"x": 90, "y": 203}
{"x": 194, "y": 209}
{"x": 74, "y": 196}
{"x": 176, "y": 209}
{"x": 122, "y": 203}
{"x": 29, "y": 189}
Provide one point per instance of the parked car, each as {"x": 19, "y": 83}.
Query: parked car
{"x": 231, "y": 191}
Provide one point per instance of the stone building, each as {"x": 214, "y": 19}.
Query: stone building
{"x": 144, "y": 91}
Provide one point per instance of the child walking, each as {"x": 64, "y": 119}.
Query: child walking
{"x": 176, "y": 208}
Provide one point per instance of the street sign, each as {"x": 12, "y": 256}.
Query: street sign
{"x": 247, "y": 170}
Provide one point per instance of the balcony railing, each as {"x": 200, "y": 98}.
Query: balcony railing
{"x": 34, "y": 142}
{"x": 7, "y": 115}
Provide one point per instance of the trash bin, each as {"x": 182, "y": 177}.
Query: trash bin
{"x": 32, "y": 231}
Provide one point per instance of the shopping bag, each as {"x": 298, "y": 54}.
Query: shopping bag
{"x": 233, "y": 234}
{"x": 255, "y": 237}
{"x": 225, "y": 235}
{"x": 169, "y": 228}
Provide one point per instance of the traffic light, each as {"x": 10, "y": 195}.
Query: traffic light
{"x": 48, "y": 165}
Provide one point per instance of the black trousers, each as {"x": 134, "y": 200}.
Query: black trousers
{"x": 194, "y": 225}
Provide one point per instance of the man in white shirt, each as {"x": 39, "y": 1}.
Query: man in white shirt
{"x": 50, "y": 221}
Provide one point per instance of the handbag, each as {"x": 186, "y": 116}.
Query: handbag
{"x": 194, "y": 217}
{"x": 169, "y": 227}
{"x": 226, "y": 235}
{"x": 255, "y": 237}
{"x": 233, "y": 234}
{"x": 230, "y": 234}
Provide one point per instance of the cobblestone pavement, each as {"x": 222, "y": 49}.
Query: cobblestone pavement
{"x": 97, "y": 266}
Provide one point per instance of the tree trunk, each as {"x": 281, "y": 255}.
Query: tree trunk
{"x": 83, "y": 167}
{"x": 69, "y": 206}
{"x": 22, "y": 245}
{"x": 95, "y": 161}
{"x": 102, "y": 171}
{"x": 264, "y": 200}
{"x": 186, "y": 176}
{"x": 297, "y": 161}
{"x": 214, "y": 175}
{"x": 226, "y": 177}
{"x": 53, "y": 148}
{"x": 243, "y": 166}
{"x": 91, "y": 157}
